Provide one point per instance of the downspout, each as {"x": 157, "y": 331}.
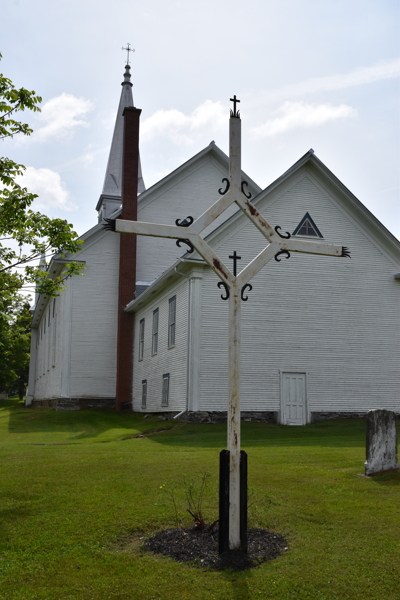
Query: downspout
{"x": 189, "y": 336}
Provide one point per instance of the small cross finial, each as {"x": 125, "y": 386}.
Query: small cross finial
{"x": 234, "y": 113}
{"x": 128, "y": 49}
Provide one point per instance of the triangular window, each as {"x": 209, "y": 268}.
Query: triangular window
{"x": 307, "y": 227}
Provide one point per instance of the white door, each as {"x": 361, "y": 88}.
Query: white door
{"x": 293, "y": 401}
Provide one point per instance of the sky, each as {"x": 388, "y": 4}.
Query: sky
{"x": 321, "y": 74}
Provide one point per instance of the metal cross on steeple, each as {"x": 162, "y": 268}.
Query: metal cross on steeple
{"x": 278, "y": 244}
{"x": 128, "y": 49}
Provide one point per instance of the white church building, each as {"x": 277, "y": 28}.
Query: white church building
{"x": 146, "y": 329}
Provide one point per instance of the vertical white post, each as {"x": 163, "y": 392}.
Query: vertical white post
{"x": 235, "y": 147}
{"x": 235, "y": 176}
{"x": 234, "y": 417}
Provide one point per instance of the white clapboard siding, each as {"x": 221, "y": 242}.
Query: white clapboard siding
{"x": 94, "y": 320}
{"x": 190, "y": 194}
{"x": 336, "y": 319}
{"x": 48, "y": 371}
{"x": 167, "y": 360}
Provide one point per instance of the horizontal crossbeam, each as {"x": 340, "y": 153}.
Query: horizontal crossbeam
{"x": 257, "y": 264}
{"x": 311, "y": 247}
{"x": 153, "y": 229}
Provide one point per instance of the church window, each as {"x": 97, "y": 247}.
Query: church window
{"x": 144, "y": 393}
{"x": 165, "y": 390}
{"x": 307, "y": 227}
{"x": 154, "y": 341}
{"x": 171, "y": 322}
{"x": 141, "y": 339}
{"x": 54, "y": 307}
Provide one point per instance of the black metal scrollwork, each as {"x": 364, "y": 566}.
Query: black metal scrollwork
{"x": 345, "y": 252}
{"x": 221, "y": 283}
{"x": 286, "y": 237}
{"x": 282, "y": 252}
{"x": 109, "y": 225}
{"x": 221, "y": 191}
{"x": 249, "y": 195}
{"x": 182, "y": 241}
{"x": 185, "y": 223}
{"x": 249, "y": 287}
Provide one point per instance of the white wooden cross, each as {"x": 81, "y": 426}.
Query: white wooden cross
{"x": 234, "y": 284}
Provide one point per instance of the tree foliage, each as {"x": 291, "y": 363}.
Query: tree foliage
{"x": 25, "y": 234}
{"x": 15, "y": 326}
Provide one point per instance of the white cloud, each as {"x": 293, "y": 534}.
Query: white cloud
{"x": 181, "y": 128}
{"x": 300, "y": 115}
{"x": 61, "y": 116}
{"x": 361, "y": 76}
{"x": 49, "y": 187}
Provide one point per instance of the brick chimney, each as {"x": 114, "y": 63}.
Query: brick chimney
{"x": 127, "y": 258}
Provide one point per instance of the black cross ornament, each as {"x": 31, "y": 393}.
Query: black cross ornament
{"x": 235, "y": 258}
{"x": 235, "y": 101}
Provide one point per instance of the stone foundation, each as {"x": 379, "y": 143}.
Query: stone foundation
{"x": 325, "y": 416}
{"x": 75, "y": 403}
{"x": 220, "y": 417}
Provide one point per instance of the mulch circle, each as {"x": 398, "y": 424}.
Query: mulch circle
{"x": 201, "y": 548}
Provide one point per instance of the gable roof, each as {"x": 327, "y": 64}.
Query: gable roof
{"x": 211, "y": 150}
{"x": 308, "y": 157}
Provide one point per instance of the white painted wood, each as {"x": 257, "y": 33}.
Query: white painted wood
{"x": 248, "y": 208}
{"x": 335, "y": 319}
{"x": 293, "y": 399}
{"x": 94, "y": 320}
{"x": 47, "y": 373}
{"x": 235, "y": 155}
{"x": 233, "y": 428}
{"x": 213, "y": 212}
{"x": 257, "y": 264}
{"x": 32, "y": 369}
{"x": 195, "y": 281}
{"x": 167, "y": 360}
{"x": 151, "y": 229}
{"x": 190, "y": 192}
{"x": 66, "y": 342}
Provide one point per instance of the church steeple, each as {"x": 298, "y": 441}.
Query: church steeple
{"x": 110, "y": 198}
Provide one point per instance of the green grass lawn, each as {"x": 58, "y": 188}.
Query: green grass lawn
{"x": 76, "y": 487}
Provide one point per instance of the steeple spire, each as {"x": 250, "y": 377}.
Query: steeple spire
{"x": 127, "y": 77}
{"x": 110, "y": 198}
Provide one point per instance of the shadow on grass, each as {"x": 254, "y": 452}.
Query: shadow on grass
{"x": 77, "y": 425}
{"x": 387, "y": 479}
{"x": 14, "y": 506}
{"x": 239, "y": 585}
{"x": 90, "y": 424}
{"x": 337, "y": 434}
